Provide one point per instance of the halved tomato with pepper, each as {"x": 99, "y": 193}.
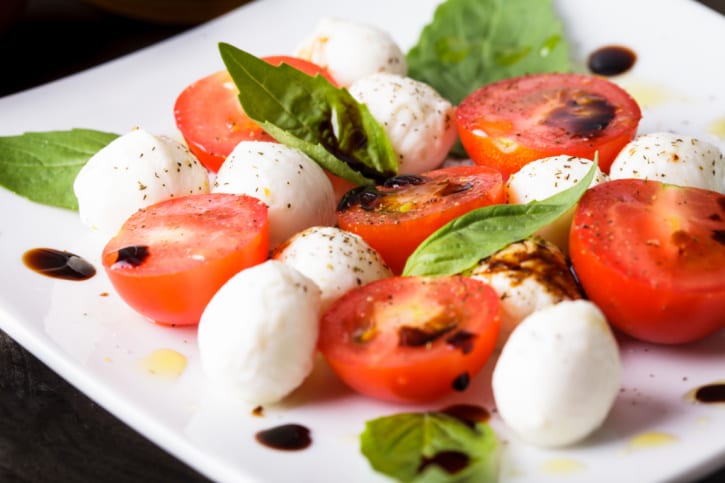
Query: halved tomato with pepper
{"x": 211, "y": 119}
{"x": 395, "y": 217}
{"x": 652, "y": 257}
{"x": 509, "y": 123}
{"x": 411, "y": 339}
{"x": 169, "y": 259}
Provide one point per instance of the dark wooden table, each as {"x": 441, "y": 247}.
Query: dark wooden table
{"x": 49, "y": 431}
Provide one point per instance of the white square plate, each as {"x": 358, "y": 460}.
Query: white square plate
{"x": 99, "y": 344}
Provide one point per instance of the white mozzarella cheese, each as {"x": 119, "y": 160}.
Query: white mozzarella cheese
{"x": 558, "y": 375}
{"x": 258, "y": 335}
{"x": 336, "y": 260}
{"x": 673, "y": 159}
{"x": 297, "y": 191}
{"x": 352, "y": 50}
{"x": 545, "y": 177}
{"x": 134, "y": 171}
{"x": 527, "y": 276}
{"x": 418, "y": 121}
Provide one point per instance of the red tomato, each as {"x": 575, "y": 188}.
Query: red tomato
{"x": 169, "y": 259}
{"x": 211, "y": 119}
{"x": 411, "y": 339}
{"x": 652, "y": 257}
{"x": 394, "y": 218}
{"x": 509, "y": 123}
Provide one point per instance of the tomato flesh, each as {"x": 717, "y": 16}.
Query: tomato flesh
{"x": 169, "y": 259}
{"x": 211, "y": 119}
{"x": 411, "y": 339}
{"x": 509, "y": 123}
{"x": 652, "y": 257}
{"x": 396, "y": 217}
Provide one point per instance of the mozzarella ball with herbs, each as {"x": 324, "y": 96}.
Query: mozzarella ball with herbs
{"x": 673, "y": 159}
{"x": 258, "y": 335}
{"x": 352, "y": 50}
{"x": 133, "y": 171}
{"x": 558, "y": 375}
{"x": 418, "y": 121}
{"x": 527, "y": 275}
{"x": 336, "y": 260}
{"x": 297, "y": 191}
{"x": 546, "y": 177}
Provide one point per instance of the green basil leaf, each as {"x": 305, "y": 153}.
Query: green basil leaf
{"x": 42, "y": 166}
{"x": 411, "y": 447}
{"x": 464, "y": 241}
{"x": 471, "y": 43}
{"x": 311, "y": 114}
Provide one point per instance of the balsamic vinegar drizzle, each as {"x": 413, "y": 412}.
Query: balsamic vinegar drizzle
{"x": 58, "y": 264}
{"x": 710, "y": 393}
{"x": 287, "y": 437}
{"x": 611, "y": 60}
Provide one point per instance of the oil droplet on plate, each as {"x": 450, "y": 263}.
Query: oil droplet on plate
{"x": 165, "y": 363}
{"x": 650, "y": 95}
{"x": 652, "y": 439}
{"x": 717, "y": 128}
{"x": 562, "y": 466}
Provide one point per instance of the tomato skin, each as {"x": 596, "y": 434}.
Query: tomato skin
{"x": 404, "y": 216}
{"x": 509, "y": 123}
{"x": 194, "y": 244}
{"x": 211, "y": 119}
{"x": 652, "y": 257}
{"x": 364, "y": 336}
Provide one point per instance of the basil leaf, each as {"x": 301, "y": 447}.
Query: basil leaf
{"x": 464, "y": 241}
{"x": 42, "y": 166}
{"x": 414, "y": 447}
{"x": 471, "y": 43}
{"x": 311, "y": 114}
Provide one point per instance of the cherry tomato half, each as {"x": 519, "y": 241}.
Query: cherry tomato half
{"x": 394, "y": 218}
{"x": 211, "y": 119}
{"x": 652, "y": 257}
{"x": 509, "y": 123}
{"x": 411, "y": 339}
{"x": 169, "y": 259}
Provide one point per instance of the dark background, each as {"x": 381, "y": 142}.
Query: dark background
{"x": 49, "y": 431}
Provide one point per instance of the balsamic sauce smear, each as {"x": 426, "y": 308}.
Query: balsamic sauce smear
{"x": 611, "y": 60}
{"x": 711, "y": 393}
{"x": 58, "y": 264}
{"x": 287, "y": 437}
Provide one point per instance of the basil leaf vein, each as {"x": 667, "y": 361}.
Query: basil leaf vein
{"x": 312, "y": 115}
{"x": 42, "y": 166}
{"x": 464, "y": 241}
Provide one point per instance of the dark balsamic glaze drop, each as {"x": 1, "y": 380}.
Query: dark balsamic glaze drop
{"x": 467, "y": 413}
{"x": 58, "y": 264}
{"x": 461, "y": 382}
{"x": 450, "y": 461}
{"x": 287, "y": 437}
{"x": 611, "y": 60}
{"x": 711, "y": 393}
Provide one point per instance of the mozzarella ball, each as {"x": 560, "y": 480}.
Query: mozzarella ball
{"x": 558, "y": 375}
{"x": 351, "y": 50}
{"x": 545, "y": 177}
{"x": 295, "y": 188}
{"x": 527, "y": 276}
{"x": 133, "y": 171}
{"x": 258, "y": 335}
{"x": 673, "y": 159}
{"x": 418, "y": 121}
{"x": 336, "y": 260}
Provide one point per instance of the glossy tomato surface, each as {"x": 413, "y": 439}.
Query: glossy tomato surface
{"x": 210, "y": 117}
{"x": 411, "y": 339}
{"x": 509, "y": 123}
{"x": 169, "y": 259}
{"x": 394, "y": 218}
{"x": 652, "y": 257}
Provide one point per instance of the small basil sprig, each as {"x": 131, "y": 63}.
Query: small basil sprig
{"x": 312, "y": 115}
{"x": 463, "y": 242}
{"x": 431, "y": 447}
{"x": 42, "y": 166}
{"x": 471, "y": 43}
